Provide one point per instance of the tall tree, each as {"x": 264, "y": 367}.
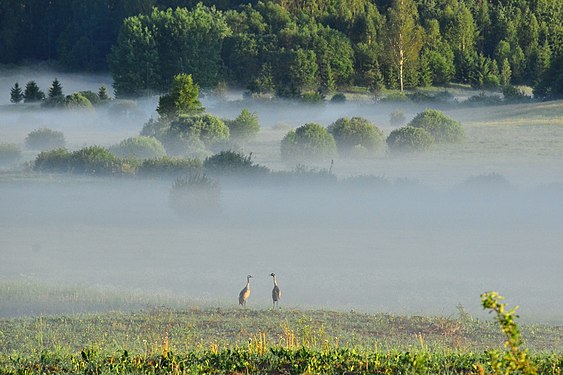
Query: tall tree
{"x": 182, "y": 98}
{"x": 32, "y": 93}
{"x": 56, "y": 89}
{"x": 404, "y": 36}
{"x": 16, "y": 93}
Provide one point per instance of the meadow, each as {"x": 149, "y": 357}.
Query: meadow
{"x": 381, "y": 268}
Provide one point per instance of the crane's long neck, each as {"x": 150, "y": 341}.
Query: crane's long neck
{"x": 275, "y": 281}
{"x": 248, "y": 282}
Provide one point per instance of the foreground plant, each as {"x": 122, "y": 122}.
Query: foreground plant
{"x": 514, "y": 360}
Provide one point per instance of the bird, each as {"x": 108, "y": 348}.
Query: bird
{"x": 245, "y": 292}
{"x": 276, "y": 293}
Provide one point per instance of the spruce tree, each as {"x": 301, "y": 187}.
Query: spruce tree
{"x": 103, "y": 93}
{"x": 56, "y": 89}
{"x": 32, "y": 93}
{"x": 16, "y": 93}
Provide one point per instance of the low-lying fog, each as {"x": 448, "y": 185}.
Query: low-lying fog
{"x": 423, "y": 244}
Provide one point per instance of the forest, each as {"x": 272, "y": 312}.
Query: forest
{"x": 293, "y": 48}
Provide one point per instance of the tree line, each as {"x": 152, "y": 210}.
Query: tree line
{"x": 292, "y": 47}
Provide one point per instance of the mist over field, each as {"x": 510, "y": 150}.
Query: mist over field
{"x": 419, "y": 238}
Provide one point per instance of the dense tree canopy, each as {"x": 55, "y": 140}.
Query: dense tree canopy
{"x": 289, "y": 46}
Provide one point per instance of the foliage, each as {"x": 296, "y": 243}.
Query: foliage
{"x": 244, "y": 128}
{"x": 16, "y": 94}
{"x": 92, "y": 97}
{"x": 32, "y": 93}
{"x": 44, "y": 139}
{"x": 103, "y": 94}
{"x": 9, "y": 154}
{"x": 308, "y": 142}
{"x": 56, "y": 89}
{"x": 514, "y": 359}
{"x": 338, "y": 98}
{"x": 310, "y": 97}
{"x": 206, "y": 128}
{"x": 409, "y": 139}
{"x": 442, "y": 128}
{"x": 94, "y": 160}
{"x": 513, "y": 94}
{"x": 357, "y": 131}
{"x": 195, "y": 196}
{"x": 230, "y": 162}
{"x": 141, "y": 147}
{"x": 77, "y": 101}
{"x": 182, "y": 98}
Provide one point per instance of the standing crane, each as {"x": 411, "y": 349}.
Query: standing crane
{"x": 245, "y": 292}
{"x": 276, "y": 293}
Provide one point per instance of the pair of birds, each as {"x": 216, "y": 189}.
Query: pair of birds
{"x": 245, "y": 292}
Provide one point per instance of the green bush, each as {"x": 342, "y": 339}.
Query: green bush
{"x": 357, "y": 131}
{"x": 94, "y": 160}
{"x": 482, "y": 99}
{"x": 513, "y": 94}
{"x": 396, "y": 97}
{"x": 409, "y": 139}
{"x": 57, "y": 160}
{"x": 312, "y": 98}
{"x": 244, "y": 128}
{"x": 44, "y": 139}
{"x": 232, "y": 162}
{"x": 195, "y": 195}
{"x": 9, "y": 154}
{"x": 442, "y": 128}
{"x": 91, "y": 96}
{"x": 338, "y": 98}
{"x": 78, "y": 101}
{"x": 139, "y": 148}
{"x": 308, "y": 142}
{"x": 167, "y": 166}
{"x": 209, "y": 129}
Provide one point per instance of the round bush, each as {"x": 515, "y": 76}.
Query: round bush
{"x": 44, "y": 139}
{"x": 409, "y": 139}
{"x": 244, "y": 128}
{"x": 139, "y": 148}
{"x": 357, "y": 131}
{"x": 211, "y": 130}
{"x": 167, "y": 166}
{"x": 9, "y": 154}
{"x": 57, "y": 160}
{"x": 308, "y": 142}
{"x": 442, "y": 128}
{"x": 232, "y": 162}
{"x": 78, "y": 101}
{"x": 94, "y": 160}
{"x": 338, "y": 98}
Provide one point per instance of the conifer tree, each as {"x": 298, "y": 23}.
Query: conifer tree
{"x": 32, "y": 93}
{"x": 16, "y": 93}
{"x": 56, "y": 89}
{"x": 103, "y": 93}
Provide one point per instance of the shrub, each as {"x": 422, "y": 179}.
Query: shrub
{"x": 482, "y": 99}
{"x": 243, "y": 128}
{"x": 94, "y": 160}
{"x": 9, "y": 154}
{"x": 77, "y": 101}
{"x": 167, "y": 166}
{"x": 209, "y": 129}
{"x": 312, "y": 98}
{"x": 232, "y": 162}
{"x": 409, "y": 139}
{"x": 396, "y": 97}
{"x": 91, "y": 96}
{"x": 442, "y": 128}
{"x": 308, "y": 142}
{"x": 195, "y": 195}
{"x": 397, "y": 118}
{"x": 338, "y": 98}
{"x": 44, "y": 139}
{"x": 490, "y": 181}
{"x": 357, "y": 131}
{"x": 139, "y": 148}
{"x": 513, "y": 94}
{"x": 57, "y": 160}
